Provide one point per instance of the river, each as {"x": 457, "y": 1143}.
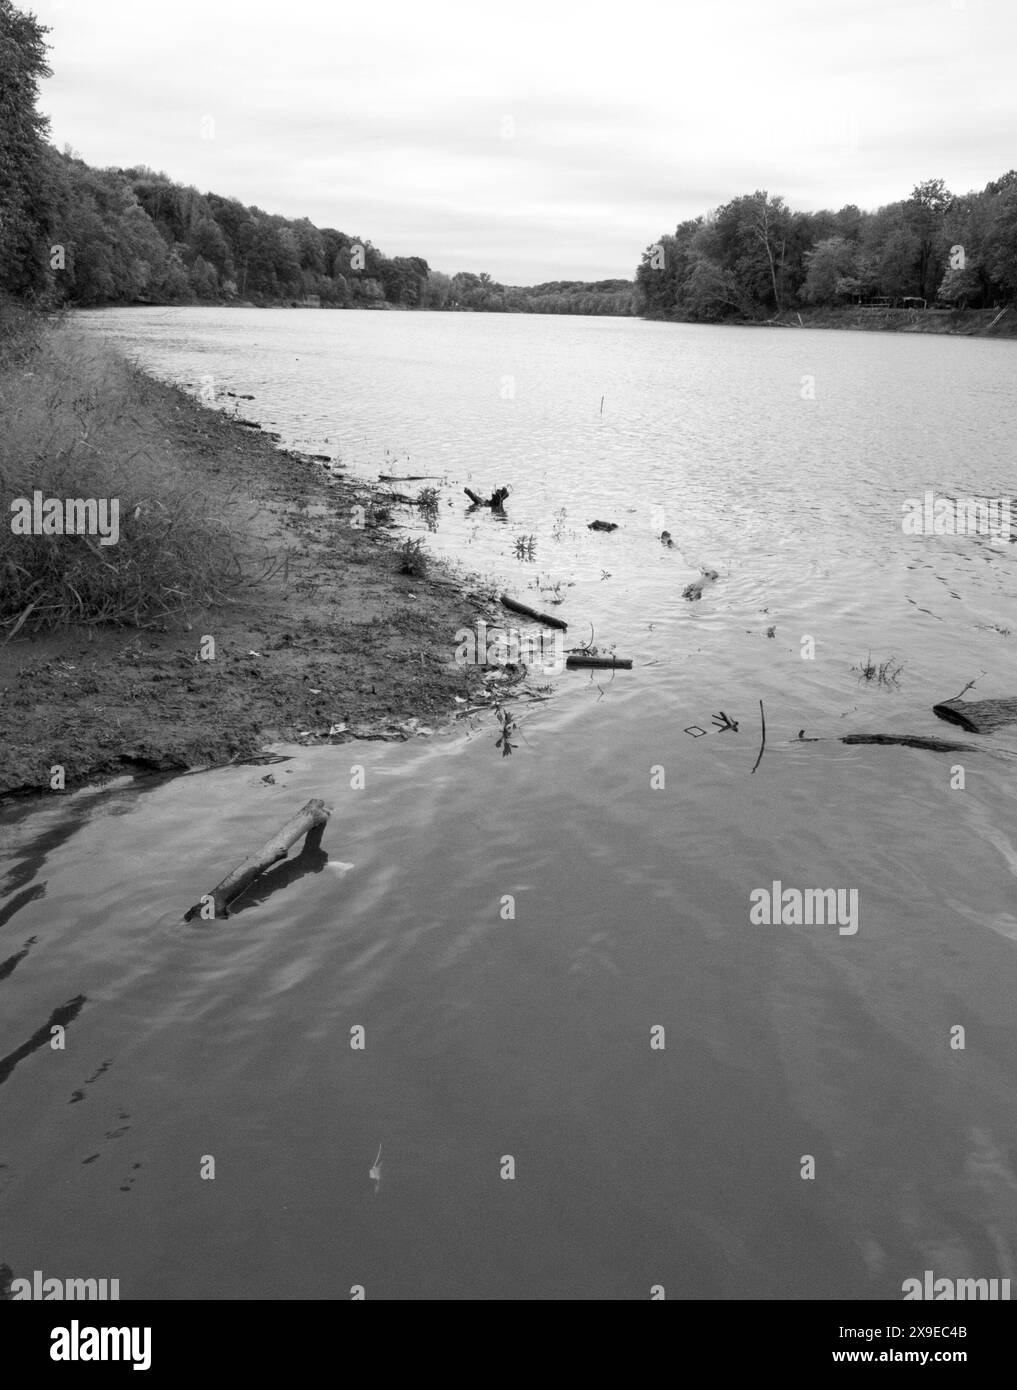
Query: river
{"x": 589, "y": 1072}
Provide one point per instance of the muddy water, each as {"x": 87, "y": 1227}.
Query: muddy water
{"x": 629, "y": 849}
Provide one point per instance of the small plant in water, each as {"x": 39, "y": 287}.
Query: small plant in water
{"x": 413, "y": 559}
{"x": 887, "y": 674}
{"x": 508, "y": 726}
{"x": 526, "y": 547}
{"x": 427, "y": 499}
{"x": 554, "y": 590}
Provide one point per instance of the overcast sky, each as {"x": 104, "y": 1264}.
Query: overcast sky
{"x": 536, "y": 141}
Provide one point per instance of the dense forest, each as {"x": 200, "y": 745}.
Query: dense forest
{"x": 755, "y": 258}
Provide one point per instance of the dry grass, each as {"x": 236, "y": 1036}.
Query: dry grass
{"x": 78, "y": 424}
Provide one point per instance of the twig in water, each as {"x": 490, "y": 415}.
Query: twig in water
{"x": 762, "y": 716}
{"x": 965, "y": 690}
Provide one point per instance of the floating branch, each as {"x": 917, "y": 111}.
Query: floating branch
{"x": 310, "y": 820}
{"x": 517, "y": 607}
{"x": 762, "y": 746}
{"x": 608, "y": 663}
{"x": 407, "y": 477}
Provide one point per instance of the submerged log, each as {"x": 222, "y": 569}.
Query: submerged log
{"x": 607, "y": 663}
{"x": 496, "y": 501}
{"x": 517, "y": 607}
{"x": 603, "y": 526}
{"x": 934, "y": 745}
{"x": 978, "y": 716}
{"x": 310, "y": 820}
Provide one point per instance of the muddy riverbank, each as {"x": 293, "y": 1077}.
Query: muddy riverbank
{"x": 324, "y": 638}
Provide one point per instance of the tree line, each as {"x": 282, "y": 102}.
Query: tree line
{"x": 755, "y": 257}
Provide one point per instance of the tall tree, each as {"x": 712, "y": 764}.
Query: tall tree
{"x": 24, "y": 254}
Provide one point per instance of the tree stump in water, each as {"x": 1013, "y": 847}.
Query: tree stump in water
{"x": 496, "y": 501}
{"x": 978, "y": 716}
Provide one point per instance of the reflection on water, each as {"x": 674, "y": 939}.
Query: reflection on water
{"x": 548, "y": 956}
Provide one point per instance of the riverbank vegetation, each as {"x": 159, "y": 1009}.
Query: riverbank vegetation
{"x": 75, "y": 427}
{"x": 755, "y": 258}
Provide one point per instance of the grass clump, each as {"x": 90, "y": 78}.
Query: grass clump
{"x": 413, "y": 559}
{"x": 80, "y": 423}
{"x": 887, "y": 673}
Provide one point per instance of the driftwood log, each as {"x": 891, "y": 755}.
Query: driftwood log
{"x": 310, "y": 820}
{"x": 607, "y": 663}
{"x": 496, "y": 501}
{"x": 978, "y": 716}
{"x": 602, "y": 526}
{"x": 517, "y": 607}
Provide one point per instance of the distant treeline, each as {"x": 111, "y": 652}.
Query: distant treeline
{"x": 480, "y": 292}
{"x": 755, "y": 258}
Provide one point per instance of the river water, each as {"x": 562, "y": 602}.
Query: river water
{"x": 628, "y": 1083}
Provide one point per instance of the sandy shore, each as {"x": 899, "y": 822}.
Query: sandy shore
{"x": 335, "y": 636}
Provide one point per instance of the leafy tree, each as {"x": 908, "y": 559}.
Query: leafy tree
{"x": 828, "y": 263}
{"x": 203, "y": 279}
{"x": 958, "y": 286}
{"x": 23, "y": 225}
